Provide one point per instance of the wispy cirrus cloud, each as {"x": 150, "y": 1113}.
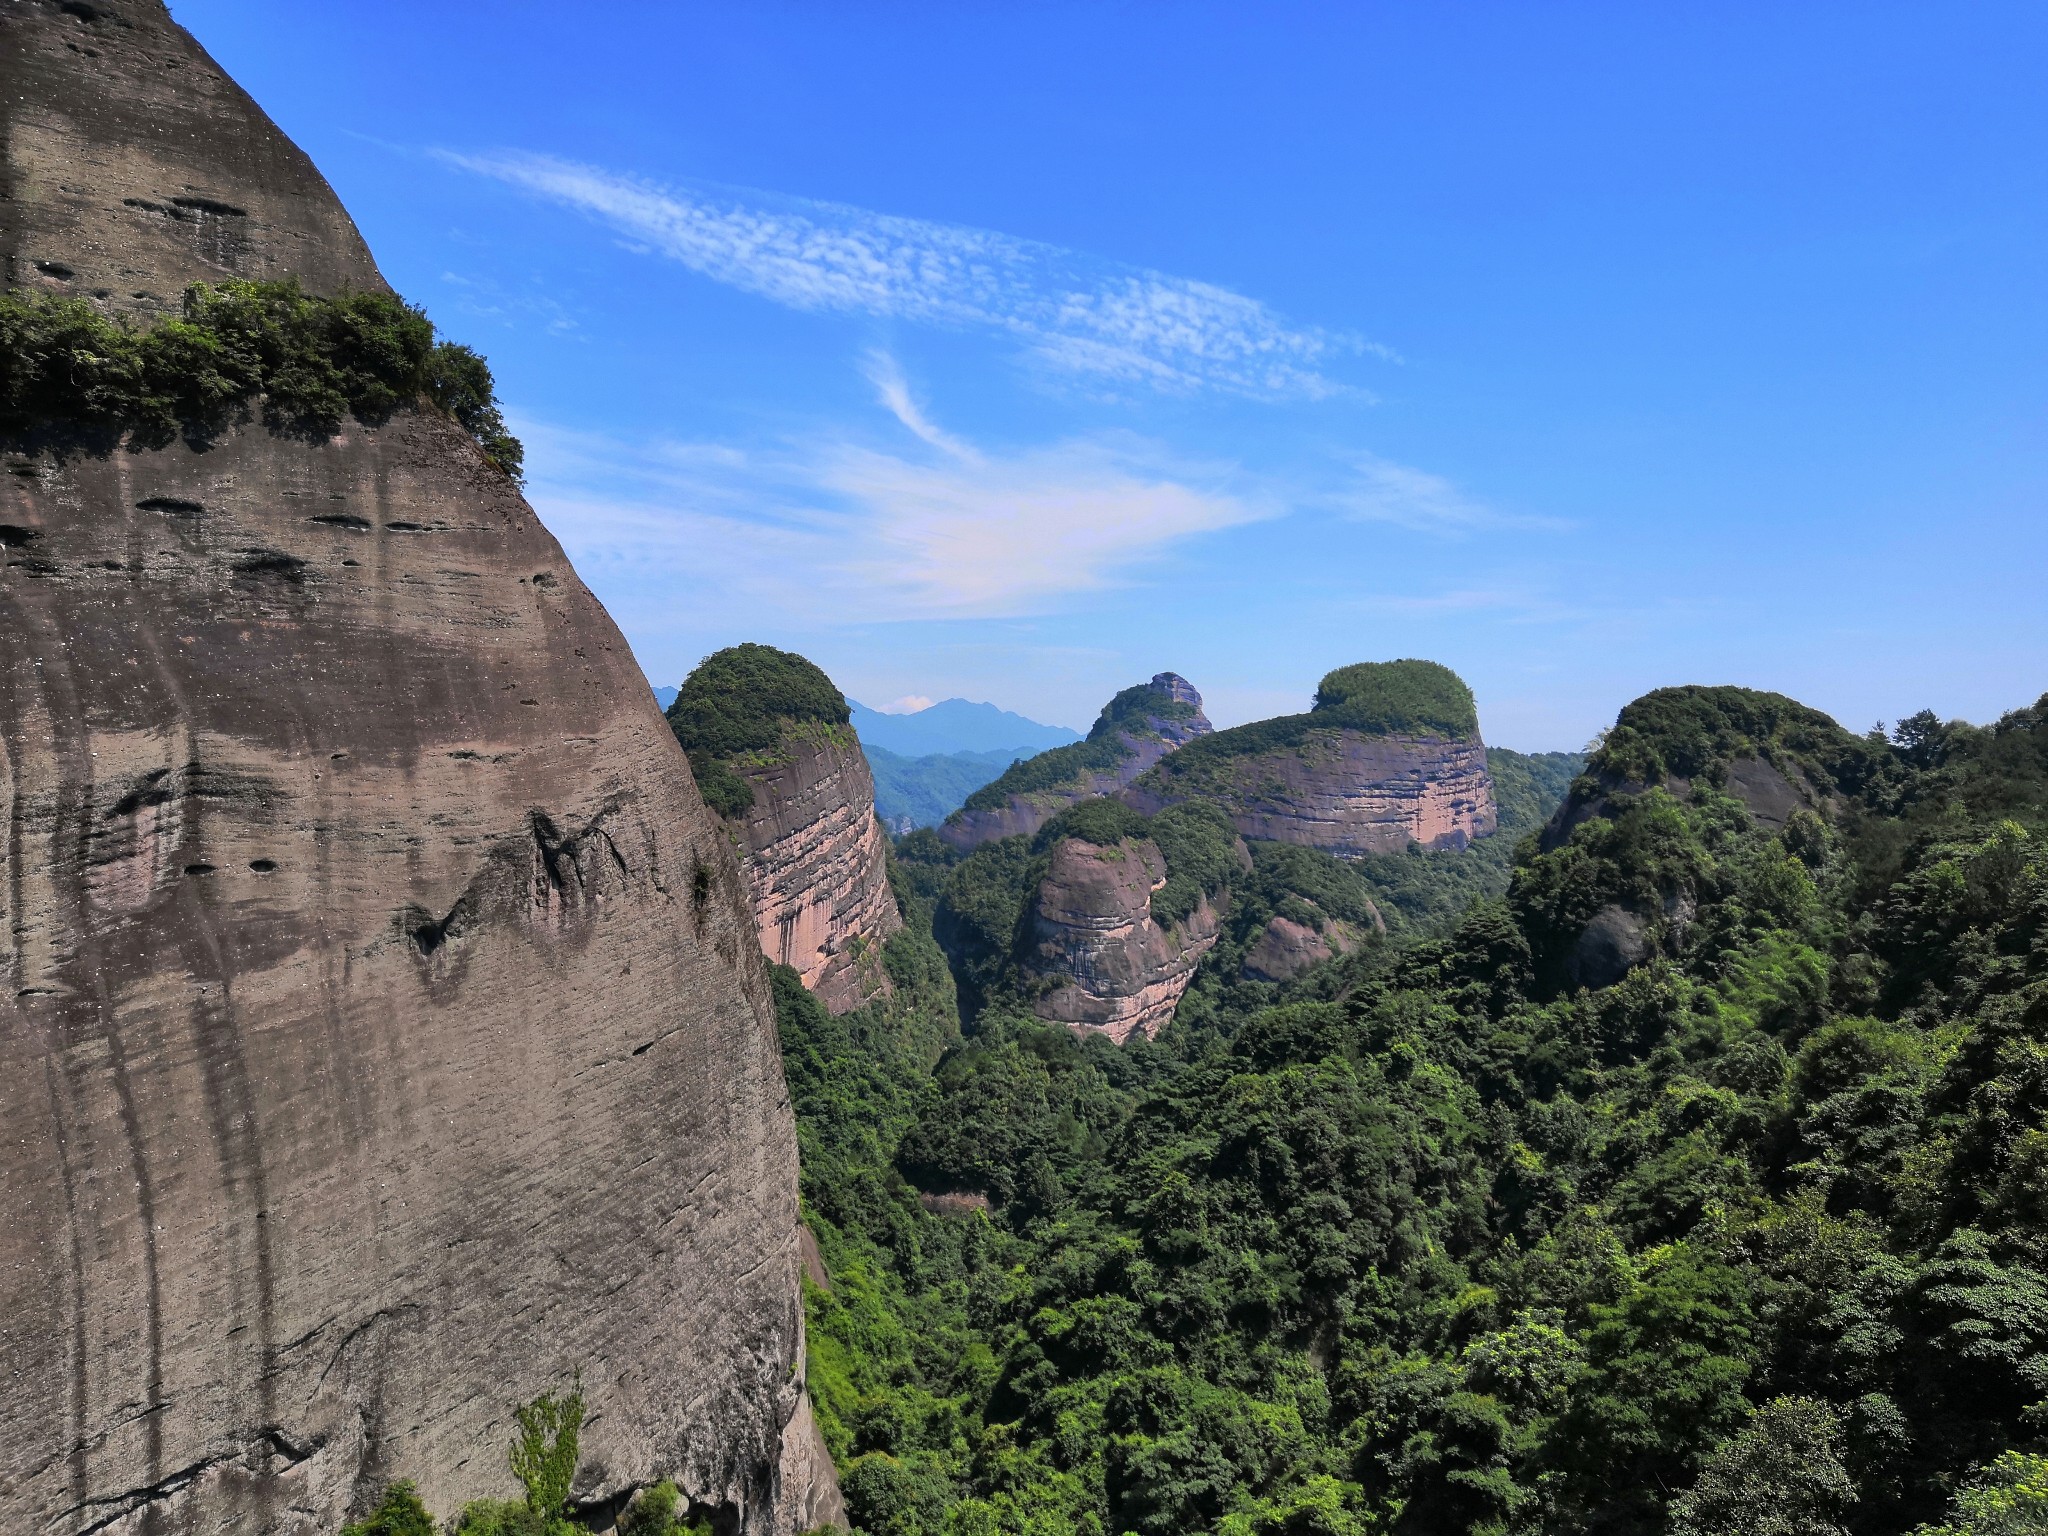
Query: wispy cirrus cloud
{"x": 1380, "y": 490}
{"x": 1077, "y": 313}
{"x": 871, "y": 534}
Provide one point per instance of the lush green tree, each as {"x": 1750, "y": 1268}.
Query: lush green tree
{"x": 398, "y": 1513}
{"x": 1780, "y": 1475}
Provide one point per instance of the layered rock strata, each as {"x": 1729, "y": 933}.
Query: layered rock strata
{"x": 1102, "y": 960}
{"x": 382, "y": 1038}
{"x": 1134, "y": 732}
{"x": 815, "y": 863}
{"x": 1345, "y": 791}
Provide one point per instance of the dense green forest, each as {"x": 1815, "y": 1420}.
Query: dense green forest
{"x": 1437, "y": 1239}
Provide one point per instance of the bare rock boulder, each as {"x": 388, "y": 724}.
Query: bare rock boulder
{"x": 1101, "y": 959}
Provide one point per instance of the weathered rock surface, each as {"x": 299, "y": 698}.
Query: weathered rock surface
{"x": 1105, "y": 962}
{"x": 1162, "y": 715}
{"x": 1344, "y": 791}
{"x": 1770, "y": 794}
{"x": 135, "y": 167}
{"x": 381, "y": 1031}
{"x": 814, "y": 861}
{"x": 1285, "y": 948}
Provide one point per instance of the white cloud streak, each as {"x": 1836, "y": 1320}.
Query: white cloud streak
{"x": 1079, "y": 314}
{"x": 867, "y": 535}
{"x": 1383, "y": 491}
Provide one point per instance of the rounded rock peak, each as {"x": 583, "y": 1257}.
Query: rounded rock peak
{"x": 1177, "y": 688}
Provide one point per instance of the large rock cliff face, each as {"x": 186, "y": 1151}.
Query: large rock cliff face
{"x": 1344, "y": 791}
{"x": 382, "y": 1037}
{"x": 1136, "y": 729}
{"x": 815, "y": 864}
{"x": 1101, "y": 959}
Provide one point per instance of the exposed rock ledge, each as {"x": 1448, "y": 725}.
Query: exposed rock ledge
{"x": 381, "y": 1036}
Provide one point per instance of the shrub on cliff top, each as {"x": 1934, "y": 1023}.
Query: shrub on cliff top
{"x": 311, "y": 361}
{"x": 1411, "y": 697}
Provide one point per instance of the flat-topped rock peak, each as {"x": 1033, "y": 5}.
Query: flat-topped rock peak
{"x": 1389, "y": 755}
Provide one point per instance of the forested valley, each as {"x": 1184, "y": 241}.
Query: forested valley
{"x": 1688, "y": 1176}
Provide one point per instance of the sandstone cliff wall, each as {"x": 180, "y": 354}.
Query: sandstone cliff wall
{"x": 1105, "y": 962}
{"x": 1343, "y": 791}
{"x": 1146, "y": 740}
{"x": 381, "y": 1032}
{"x": 815, "y": 865}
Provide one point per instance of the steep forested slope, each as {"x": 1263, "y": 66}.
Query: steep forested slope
{"x": 1440, "y": 1239}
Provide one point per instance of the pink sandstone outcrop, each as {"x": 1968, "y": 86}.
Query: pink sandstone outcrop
{"x": 815, "y": 863}
{"x": 1344, "y": 791}
{"x": 1103, "y": 961}
{"x": 1284, "y": 948}
{"x": 1136, "y": 729}
{"x": 382, "y": 1033}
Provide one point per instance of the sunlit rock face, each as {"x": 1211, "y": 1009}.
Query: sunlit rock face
{"x": 1103, "y": 961}
{"x": 1346, "y": 792}
{"x": 1144, "y": 724}
{"x": 815, "y": 864}
{"x": 383, "y": 1037}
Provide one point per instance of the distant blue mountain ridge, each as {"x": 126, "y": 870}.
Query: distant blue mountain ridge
{"x": 927, "y": 764}
{"x": 956, "y": 725}
{"x": 949, "y": 726}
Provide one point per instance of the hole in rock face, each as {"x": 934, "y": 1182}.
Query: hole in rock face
{"x": 211, "y": 205}
{"x": 344, "y": 520}
{"x": 700, "y": 886}
{"x": 79, "y": 9}
{"x": 543, "y": 579}
{"x": 405, "y": 527}
{"x": 170, "y": 506}
{"x": 263, "y": 866}
{"x": 271, "y": 562}
{"x": 13, "y": 536}
{"x": 55, "y": 269}
{"x": 198, "y": 869}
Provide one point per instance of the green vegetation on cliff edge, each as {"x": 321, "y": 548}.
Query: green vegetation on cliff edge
{"x": 308, "y": 361}
{"x": 1132, "y": 712}
{"x": 740, "y": 701}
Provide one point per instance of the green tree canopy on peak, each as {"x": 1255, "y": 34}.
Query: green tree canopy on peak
{"x": 740, "y": 700}
{"x": 1423, "y": 697}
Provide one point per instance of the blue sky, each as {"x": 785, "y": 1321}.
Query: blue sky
{"x": 1020, "y": 351}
